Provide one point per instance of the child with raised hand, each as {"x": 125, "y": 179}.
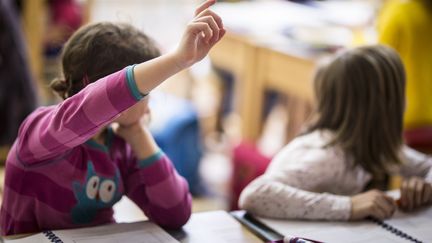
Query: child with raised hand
{"x": 335, "y": 169}
{"x": 68, "y": 166}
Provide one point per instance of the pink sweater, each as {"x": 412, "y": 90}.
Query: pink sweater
{"x": 57, "y": 177}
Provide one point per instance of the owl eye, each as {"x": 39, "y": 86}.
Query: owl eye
{"x": 92, "y": 187}
{"x": 107, "y": 190}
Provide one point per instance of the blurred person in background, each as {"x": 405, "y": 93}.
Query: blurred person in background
{"x": 17, "y": 91}
{"x": 406, "y": 25}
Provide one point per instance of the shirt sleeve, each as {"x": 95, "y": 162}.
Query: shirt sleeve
{"x": 416, "y": 164}
{"x": 156, "y": 187}
{"x": 51, "y": 131}
{"x": 296, "y": 192}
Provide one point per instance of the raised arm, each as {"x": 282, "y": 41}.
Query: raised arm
{"x": 50, "y": 131}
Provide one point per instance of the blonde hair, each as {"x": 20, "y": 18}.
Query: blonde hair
{"x": 361, "y": 98}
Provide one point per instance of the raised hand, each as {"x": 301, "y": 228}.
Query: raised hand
{"x": 201, "y": 34}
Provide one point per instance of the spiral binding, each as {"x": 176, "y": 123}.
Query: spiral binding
{"x": 52, "y": 237}
{"x": 394, "y": 230}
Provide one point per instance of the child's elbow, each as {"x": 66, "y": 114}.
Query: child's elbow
{"x": 253, "y": 195}
{"x": 179, "y": 215}
{"x": 246, "y": 200}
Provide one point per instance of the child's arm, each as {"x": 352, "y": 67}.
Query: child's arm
{"x": 49, "y": 132}
{"x": 275, "y": 199}
{"x": 152, "y": 182}
{"x": 202, "y": 33}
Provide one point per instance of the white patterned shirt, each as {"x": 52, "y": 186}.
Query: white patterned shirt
{"x": 309, "y": 181}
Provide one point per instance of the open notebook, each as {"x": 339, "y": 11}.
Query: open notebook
{"x": 402, "y": 227}
{"x": 414, "y": 227}
{"x": 139, "y": 232}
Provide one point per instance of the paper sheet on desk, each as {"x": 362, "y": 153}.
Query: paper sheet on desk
{"x": 416, "y": 224}
{"x": 333, "y": 231}
{"x": 221, "y": 229}
{"x": 139, "y": 232}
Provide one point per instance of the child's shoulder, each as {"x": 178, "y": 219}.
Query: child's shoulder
{"x": 310, "y": 148}
{"x": 315, "y": 139}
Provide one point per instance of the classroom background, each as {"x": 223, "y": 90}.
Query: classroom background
{"x": 222, "y": 120}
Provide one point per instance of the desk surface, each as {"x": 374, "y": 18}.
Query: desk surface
{"x": 214, "y": 227}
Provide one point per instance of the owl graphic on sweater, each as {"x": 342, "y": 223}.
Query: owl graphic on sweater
{"x": 96, "y": 193}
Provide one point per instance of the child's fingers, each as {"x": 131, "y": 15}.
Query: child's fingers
{"x": 216, "y": 17}
{"x": 391, "y": 203}
{"x": 378, "y": 212}
{"x": 418, "y": 192}
{"x": 404, "y": 196}
{"x": 389, "y": 200}
{"x": 204, "y": 6}
{"x": 410, "y": 194}
{"x": 221, "y": 34}
{"x": 427, "y": 193}
{"x": 197, "y": 28}
{"x": 212, "y": 23}
{"x": 407, "y": 195}
{"x": 216, "y": 40}
{"x": 386, "y": 207}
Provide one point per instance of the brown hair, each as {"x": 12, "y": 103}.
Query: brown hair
{"x": 97, "y": 50}
{"x": 361, "y": 98}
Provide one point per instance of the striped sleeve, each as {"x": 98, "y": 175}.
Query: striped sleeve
{"x": 156, "y": 187}
{"x": 51, "y": 131}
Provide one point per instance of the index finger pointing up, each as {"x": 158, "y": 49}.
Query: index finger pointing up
{"x": 204, "y": 6}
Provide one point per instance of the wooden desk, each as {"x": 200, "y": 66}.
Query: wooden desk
{"x": 257, "y": 68}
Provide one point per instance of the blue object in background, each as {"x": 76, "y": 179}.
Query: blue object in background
{"x": 176, "y": 129}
